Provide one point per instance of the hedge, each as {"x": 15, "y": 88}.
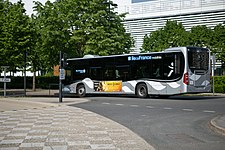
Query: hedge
{"x": 41, "y": 82}
{"x": 219, "y": 82}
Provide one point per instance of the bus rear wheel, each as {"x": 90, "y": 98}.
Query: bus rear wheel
{"x": 141, "y": 90}
{"x": 81, "y": 92}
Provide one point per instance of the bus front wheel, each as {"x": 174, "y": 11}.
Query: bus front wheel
{"x": 81, "y": 92}
{"x": 141, "y": 90}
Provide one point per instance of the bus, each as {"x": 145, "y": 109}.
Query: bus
{"x": 173, "y": 71}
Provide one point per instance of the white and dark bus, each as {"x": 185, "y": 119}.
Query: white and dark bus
{"x": 173, "y": 71}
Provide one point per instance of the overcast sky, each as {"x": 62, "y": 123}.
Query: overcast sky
{"x": 29, "y": 3}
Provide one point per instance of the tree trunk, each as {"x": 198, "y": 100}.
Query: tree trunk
{"x": 34, "y": 80}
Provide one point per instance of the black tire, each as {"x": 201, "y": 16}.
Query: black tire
{"x": 81, "y": 91}
{"x": 142, "y": 90}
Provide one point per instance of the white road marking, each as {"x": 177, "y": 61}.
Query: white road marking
{"x": 143, "y": 115}
{"x": 187, "y": 109}
{"x": 134, "y": 105}
{"x": 208, "y": 111}
{"x": 106, "y": 103}
{"x": 167, "y": 108}
{"x": 119, "y": 104}
{"x": 150, "y": 107}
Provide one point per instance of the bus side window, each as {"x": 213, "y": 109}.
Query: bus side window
{"x": 122, "y": 72}
{"x": 117, "y": 74}
{"x": 156, "y": 69}
{"x": 95, "y": 73}
{"x": 109, "y": 74}
{"x": 142, "y": 72}
{"x": 172, "y": 66}
{"x": 168, "y": 65}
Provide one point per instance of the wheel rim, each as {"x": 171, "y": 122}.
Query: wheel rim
{"x": 81, "y": 91}
{"x": 142, "y": 91}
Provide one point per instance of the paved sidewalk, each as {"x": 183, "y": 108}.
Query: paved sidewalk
{"x": 43, "y": 123}
{"x": 218, "y": 124}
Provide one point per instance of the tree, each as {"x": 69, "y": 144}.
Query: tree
{"x": 107, "y": 34}
{"x": 1, "y": 29}
{"x": 15, "y": 33}
{"x": 218, "y": 42}
{"x": 200, "y": 36}
{"x": 80, "y": 27}
{"x": 154, "y": 42}
{"x": 173, "y": 34}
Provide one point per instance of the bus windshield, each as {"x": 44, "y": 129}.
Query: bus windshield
{"x": 198, "y": 59}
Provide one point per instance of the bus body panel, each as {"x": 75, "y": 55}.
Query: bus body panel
{"x": 88, "y": 84}
{"x": 154, "y": 87}
{"x": 165, "y": 88}
{"x": 199, "y": 83}
{"x": 186, "y": 78}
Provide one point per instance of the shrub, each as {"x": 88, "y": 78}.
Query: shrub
{"x": 219, "y": 82}
{"x": 41, "y": 82}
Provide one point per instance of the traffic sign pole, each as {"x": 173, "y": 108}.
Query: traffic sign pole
{"x": 60, "y": 79}
{"x": 4, "y": 82}
{"x": 4, "y": 67}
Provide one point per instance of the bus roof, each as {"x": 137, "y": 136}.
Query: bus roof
{"x": 96, "y": 56}
{"x": 173, "y": 49}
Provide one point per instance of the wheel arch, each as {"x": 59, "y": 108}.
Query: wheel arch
{"x": 80, "y": 83}
{"x": 142, "y": 82}
{"x": 79, "y": 91}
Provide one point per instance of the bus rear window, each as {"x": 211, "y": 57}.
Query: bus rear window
{"x": 198, "y": 59}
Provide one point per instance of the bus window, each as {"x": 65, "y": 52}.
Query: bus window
{"x": 122, "y": 72}
{"x": 179, "y": 65}
{"x": 142, "y": 72}
{"x": 109, "y": 73}
{"x": 173, "y": 64}
{"x": 168, "y": 66}
{"x": 95, "y": 73}
{"x": 156, "y": 69}
{"x": 198, "y": 59}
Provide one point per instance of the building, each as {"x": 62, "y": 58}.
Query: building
{"x": 145, "y": 16}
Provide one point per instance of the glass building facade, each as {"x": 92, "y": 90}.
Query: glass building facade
{"x": 145, "y": 16}
{"x": 139, "y": 1}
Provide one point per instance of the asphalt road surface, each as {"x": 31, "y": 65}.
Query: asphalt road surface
{"x": 176, "y": 123}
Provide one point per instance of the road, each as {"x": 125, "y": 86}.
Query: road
{"x": 180, "y": 122}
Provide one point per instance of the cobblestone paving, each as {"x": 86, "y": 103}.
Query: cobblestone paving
{"x": 64, "y": 128}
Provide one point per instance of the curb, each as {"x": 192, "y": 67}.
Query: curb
{"x": 213, "y": 125}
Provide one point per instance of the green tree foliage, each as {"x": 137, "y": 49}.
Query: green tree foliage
{"x": 50, "y": 34}
{"x": 80, "y": 27}
{"x": 15, "y": 33}
{"x": 173, "y": 34}
{"x": 1, "y": 28}
{"x": 200, "y": 36}
{"x": 218, "y": 42}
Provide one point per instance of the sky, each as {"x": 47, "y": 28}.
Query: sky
{"x": 29, "y": 4}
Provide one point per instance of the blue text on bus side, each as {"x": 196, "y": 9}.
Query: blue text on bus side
{"x": 134, "y": 58}
{"x": 80, "y": 71}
